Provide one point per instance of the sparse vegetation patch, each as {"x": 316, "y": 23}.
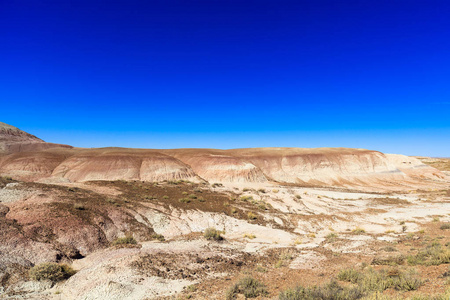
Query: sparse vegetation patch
{"x": 51, "y": 271}
{"x": 371, "y": 280}
{"x": 445, "y": 226}
{"x": 158, "y": 237}
{"x": 249, "y": 287}
{"x": 251, "y": 216}
{"x": 79, "y": 206}
{"x": 433, "y": 254}
{"x": 212, "y": 234}
{"x": 331, "y": 237}
{"x": 249, "y": 236}
{"x": 330, "y": 291}
{"x": 128, "y": 240}
{"x": 389, "y": 261}
{"x": 358, "y": 230}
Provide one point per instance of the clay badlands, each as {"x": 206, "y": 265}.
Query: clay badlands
{"x": 139, "y": 223}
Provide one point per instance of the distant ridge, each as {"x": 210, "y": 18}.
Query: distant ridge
{"x": 29, "y": 158}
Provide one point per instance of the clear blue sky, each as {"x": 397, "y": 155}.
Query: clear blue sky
{"x": 228, "y": 74}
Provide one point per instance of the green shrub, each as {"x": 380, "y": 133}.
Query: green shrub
{"x": 410, "y": 236}
{"x": 260, "y": 269}
{"x": 192, "y": 288}
{"x": 389, "y": 261}
{"x": 212, "y": 234}
{"x": 358, "y": 230}
{"x": 51, "y": 271}
{"x": 407, "y": 283}
{"x": 128, "y": 240}
{"x": 349, "y": 275}
{"x": 434, "y": 254}
{"x": 246, "y": 198}
{"x": 262, "y": 205}
{"x": 79, "y": 206}
{"x": 251, "y": 216}
{"x": 330, "y": 291}
{"x": 371, "y": 280}
{"x": 284, "y": 259}
{"x": 331, "y": 237}
{"x": 389, "y": 249}
{"x": 280, "y": 263}
{"x": 249, "y": 287}
{"x": 185, "y": 200}
{"x": 445, "y": 226}
{"x": 158, "y": 237}
{"x": 249, "y": 236}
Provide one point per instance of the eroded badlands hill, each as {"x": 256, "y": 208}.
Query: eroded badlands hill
{"x": 14, "y": 140}
{"x": 29, "y": 158}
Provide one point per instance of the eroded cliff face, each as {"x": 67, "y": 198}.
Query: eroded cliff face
{"x": 320, "y": 167}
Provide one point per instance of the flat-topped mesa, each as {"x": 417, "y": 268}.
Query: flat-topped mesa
{"x": 13, "y": 140}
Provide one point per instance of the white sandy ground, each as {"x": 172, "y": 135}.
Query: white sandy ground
{"x": 107, "y": 274}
